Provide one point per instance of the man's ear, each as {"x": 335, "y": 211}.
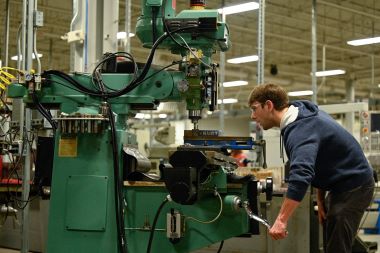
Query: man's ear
{"x": 270, "y": 105}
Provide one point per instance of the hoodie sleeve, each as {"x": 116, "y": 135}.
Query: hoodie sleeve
{"x": 302, "y": 145}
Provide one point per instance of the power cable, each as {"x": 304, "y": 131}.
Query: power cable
{"x": 220, "y": 247}
{"x": 153, "y": 228}
{"x": 117, "y": 185}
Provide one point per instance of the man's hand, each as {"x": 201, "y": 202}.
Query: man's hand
{"x": 321, "y": 212}
{"x": 321, "y": 206}
{"x": 278, "y": 230}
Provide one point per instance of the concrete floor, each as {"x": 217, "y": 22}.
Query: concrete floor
{"x": 372, "y": 238}
{"x": 369, "y": 238}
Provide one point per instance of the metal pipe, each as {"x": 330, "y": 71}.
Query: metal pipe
{"x": 35, "y": 44}
{"x": 372, "y": 72}
{"x": 19, "y": 38}
{"x": 314, "y": 50}
{"x": 128, "y": 13}
{"x": 323, "y": 69}
{"x": 27, "y": 59}
{"x": 72, "y": 45}
{"x": 350, "y": 97}
{"x": 23, "y": 34}
{"x": 6, "y": 37}
{"x": 222, "y": 70}
{"x": 261, "y": 43}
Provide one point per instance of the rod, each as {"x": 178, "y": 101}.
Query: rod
{"x": 261, "y": 43}
{"x": 314, "y": 50}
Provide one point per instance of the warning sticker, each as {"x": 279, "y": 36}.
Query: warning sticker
{"x": 68, "y": 147}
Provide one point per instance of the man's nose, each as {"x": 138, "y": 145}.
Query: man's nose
{"x": 253, "y": 115}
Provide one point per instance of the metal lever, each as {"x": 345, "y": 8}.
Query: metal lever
{"x": 251, "y": 215}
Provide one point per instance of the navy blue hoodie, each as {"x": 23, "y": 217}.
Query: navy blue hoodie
{"x": 322, "y": 153}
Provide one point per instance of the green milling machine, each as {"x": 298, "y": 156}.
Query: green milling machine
{"x": 102, "y": 197}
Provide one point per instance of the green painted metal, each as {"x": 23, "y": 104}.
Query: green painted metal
{"x": 160, "y": 87}
{"x": 82, "y": 204}
{"x": 16, "y": 90}
{"x": 92, "y": 188}
{"x": 82, "y": 217}
{"x": 142, "y": 205}
{"x": 153, "y": 2}
{"x": 209, "y": 42}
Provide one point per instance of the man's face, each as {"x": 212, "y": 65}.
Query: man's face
{"x": 260, "y": 114}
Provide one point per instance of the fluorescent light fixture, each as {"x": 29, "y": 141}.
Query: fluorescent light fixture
{"x": 332, "y": 72}
{"x": 365, "y": 41}
{"x": 239, "y": 8}
{"x": 300, "y": 93}
{"x": 15, "y": 58}
{"x": 123, "y": 35}
{"x": 243, "y": 59}
{"x": 142, "y": 116}
{"x": 148, "y": 116}
{"x": 139, "y": 115}
{"x": 228, "y": 101}
{"x": 235, "y": 83}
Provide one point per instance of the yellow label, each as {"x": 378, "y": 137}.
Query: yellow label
{"x": 68, "y": 147}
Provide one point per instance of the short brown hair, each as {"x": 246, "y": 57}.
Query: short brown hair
{"x": 275, "y": 93}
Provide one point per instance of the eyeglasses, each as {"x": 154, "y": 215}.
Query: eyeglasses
{"x": 254, "y": 107}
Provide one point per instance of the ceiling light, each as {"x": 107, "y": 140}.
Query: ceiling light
{"x": 243, "y": 59}
{"x": 239, "y": 8}
{"x": 365, "y": 41}
{"x": 228, "y": 101}
{"x": 235, "y": 83}
{"x": 15, "y": 57}
{"x": 139, "y": 116}
{"x": 142, "y": 116}
{"x": 123, "y": 35}
{"x": 162, "y": 115}
{"x": 333, "y": 72}
{"x": 300, "y": 93}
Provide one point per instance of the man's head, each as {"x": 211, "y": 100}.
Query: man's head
{"x": 267, "y": 102}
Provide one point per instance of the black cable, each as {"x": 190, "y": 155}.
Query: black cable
{"x": 132, "y": 85}
{"x": 158, "y": 71}
{"x": 96, "y": 74}
{"x": 117, "y": 187}
{"x": 220, "y": 247}
{"x": 14, "y": 171}
{"x": 150, "y": 58}
{"x": 5, "y": 104}
{"x": 44, "y": 112}
{"x": 72, "y": 81}
{"x": 166, "y": 29}
{"x": 152, "y": 230}
{"x": 63, "y": 84}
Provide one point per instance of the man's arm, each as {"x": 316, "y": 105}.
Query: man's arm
{"x": 278, "y": 230}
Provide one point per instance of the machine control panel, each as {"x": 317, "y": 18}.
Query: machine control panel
{"x": 365, "y": 131}
{"x": 370, "y": 131}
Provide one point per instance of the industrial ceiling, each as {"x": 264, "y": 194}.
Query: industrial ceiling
{"x": 287, "y": 44}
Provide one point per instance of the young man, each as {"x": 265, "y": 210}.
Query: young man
{"x": 323, "y": 154}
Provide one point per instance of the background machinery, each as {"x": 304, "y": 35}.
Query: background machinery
{"x": 102, "y": 197}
